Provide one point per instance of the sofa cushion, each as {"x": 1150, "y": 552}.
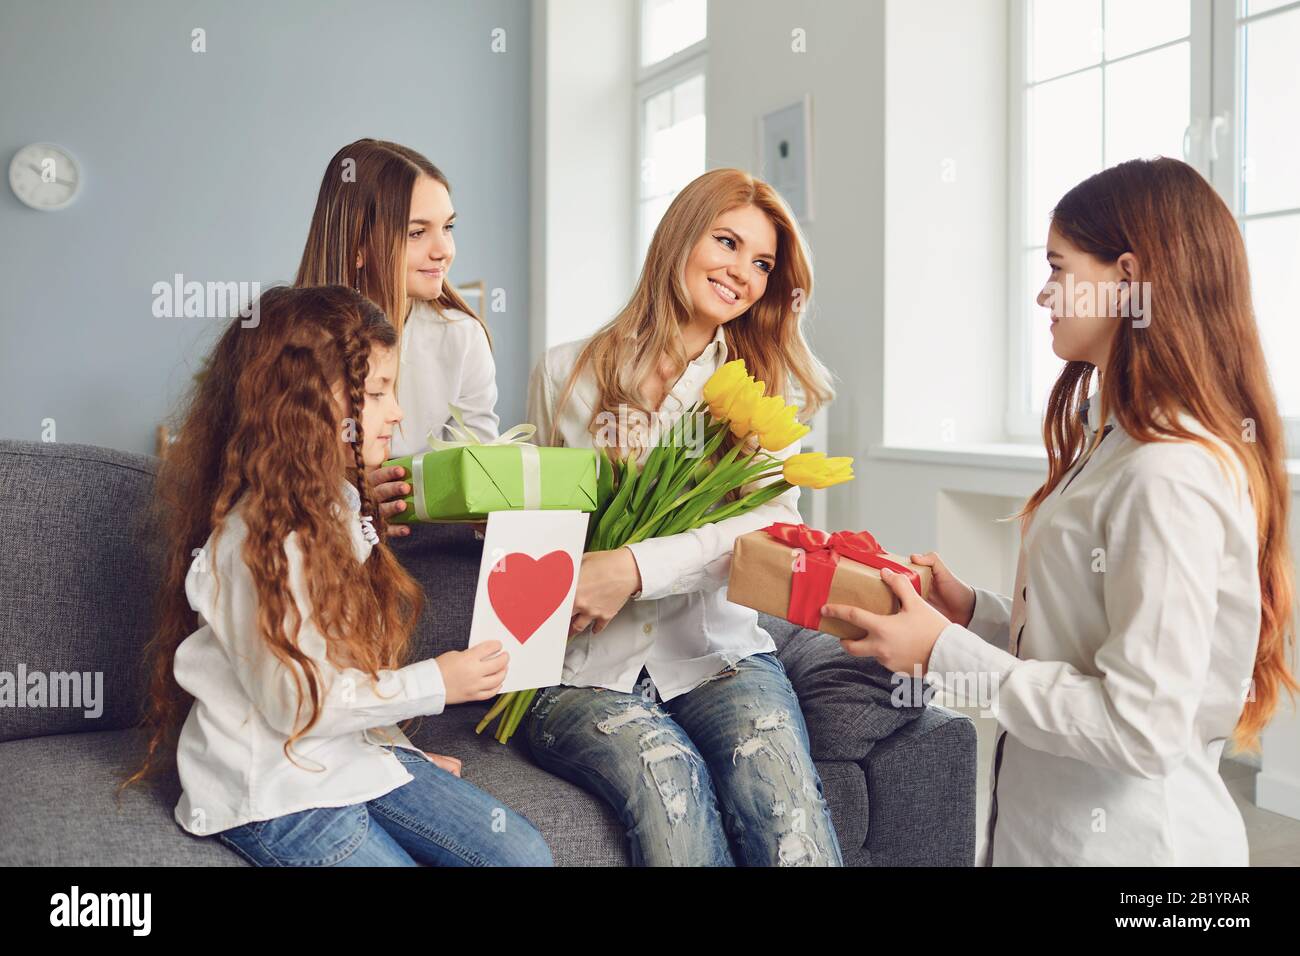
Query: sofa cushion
{"x": 78, "y": 585}
{"x": 79, "y": 821}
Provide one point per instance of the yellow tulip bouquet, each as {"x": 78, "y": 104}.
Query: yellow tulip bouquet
{"x": 680, "y": 487}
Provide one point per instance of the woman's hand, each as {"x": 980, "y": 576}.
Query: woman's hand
{"x": 951, "y": 596}
{"x": 605, "y": 582}
{"x": 449, "y": 764}
{"x": 389, "y": 491}
{"x": 901, "y": 641}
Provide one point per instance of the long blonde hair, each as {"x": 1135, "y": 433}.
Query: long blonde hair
{"x": 769, "y": 337}
{"x": 364, "y": 205}
{"x": 1201, "y": 353}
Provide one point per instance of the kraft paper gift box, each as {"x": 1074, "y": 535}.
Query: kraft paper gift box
{"x": 468, "y": 482}
{"x": 790, "y": 571}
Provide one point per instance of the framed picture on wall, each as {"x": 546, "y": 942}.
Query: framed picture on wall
{"x": 785, "y": 155}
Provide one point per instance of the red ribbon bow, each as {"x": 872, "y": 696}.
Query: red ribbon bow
{"x": 810, "y": 586}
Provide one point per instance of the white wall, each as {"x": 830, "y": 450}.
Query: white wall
{"x": 753, "y": 70}
{"x": 582, "y": 177}
{"x": 945, "y": 220}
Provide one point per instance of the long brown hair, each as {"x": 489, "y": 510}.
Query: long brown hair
{"x": 261, "y": 429}
{"x": 1201, "y": 354}
{"x": 364, "y": 205}
{"x": 769, "y": 337}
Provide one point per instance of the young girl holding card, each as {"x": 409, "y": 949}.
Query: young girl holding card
{"x": 284, "y": 618}
{"x": 1151, "y": 617}
{"x": 718, "y": 772}
{"x": 383, "y": 226}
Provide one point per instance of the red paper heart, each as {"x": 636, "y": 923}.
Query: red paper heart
{"x": 525, "y": 591}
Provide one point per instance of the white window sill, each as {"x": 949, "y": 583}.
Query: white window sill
{"x": 1007, "y": 456}
{"x": 1004, "y": 456}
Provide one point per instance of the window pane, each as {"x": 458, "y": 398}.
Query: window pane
{"x": 1251, "y": 7}
{"x": 674, "y": 138}
{"x": 1133, "y": 25}
{"x": 1273, "y": 246}
{"x": 673, "y": 144}
{"x": 1148, "y": 105}
{"x": 1043, "y": 364}
{"x": 1064, "y": 143}
{"x": 1065, "y": 35}
{"x": 668, "y": 26}
{"x": 1272, "y": 114}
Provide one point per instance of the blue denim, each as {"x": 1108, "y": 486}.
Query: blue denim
{"x": 437, "y": 819}
{"x": 718, "y": 776}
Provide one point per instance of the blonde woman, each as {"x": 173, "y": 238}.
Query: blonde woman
{"x": 674, "y": 707}
{"x": 383, "y": 225}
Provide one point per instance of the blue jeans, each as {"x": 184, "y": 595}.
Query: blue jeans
{"x": 437, "y": 819}
{"x": 718, "y": 776}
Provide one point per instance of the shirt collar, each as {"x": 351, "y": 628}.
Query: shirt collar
{"x": 361, "y": 528}
{"x": 1090, "y": 415}
{"x": 351, "y": 496}
{"x": 715, "y": 352}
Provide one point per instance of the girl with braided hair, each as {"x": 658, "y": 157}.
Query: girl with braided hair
{"x": 284, "y": 619}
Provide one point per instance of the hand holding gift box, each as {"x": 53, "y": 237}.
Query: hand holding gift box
{"x": 791, "y": 571}
{"x": 467, "y": 479}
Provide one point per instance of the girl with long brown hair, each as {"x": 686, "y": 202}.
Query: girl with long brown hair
{"x": 383, "y": 225}
{"x": 1152, "y": 613}
{"x": 284, "y": 620}
{"x": 674, "y": 707}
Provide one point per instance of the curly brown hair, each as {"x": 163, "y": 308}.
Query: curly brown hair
{"x": 262, "y": 429}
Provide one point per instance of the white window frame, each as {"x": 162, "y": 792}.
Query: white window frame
{"x": 1211, "y": 145}
{"x": 651, "y": 80}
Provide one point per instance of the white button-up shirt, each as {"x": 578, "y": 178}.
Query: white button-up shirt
{"x": 444, "y": 362}
{"x": 230, "y": 755}
{"x": 680, "y": 626}
{"x": 1122, "y": 663}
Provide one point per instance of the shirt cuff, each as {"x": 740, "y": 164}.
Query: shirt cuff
{"x": 654, "y": 561}
{"x": 425, "y": 683}
{"x": 959, "y": 651}
{"x": 991, "y": 618}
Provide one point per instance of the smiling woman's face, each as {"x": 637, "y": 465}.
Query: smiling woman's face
{"x": 1077, "y": 291}
{"x": 430, "y": 247}
{"x": 728, "y": 267}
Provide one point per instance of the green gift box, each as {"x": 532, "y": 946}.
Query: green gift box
{"x": 467, "y": 482}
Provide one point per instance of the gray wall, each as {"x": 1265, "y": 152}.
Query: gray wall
{"x": 207, "y": 164}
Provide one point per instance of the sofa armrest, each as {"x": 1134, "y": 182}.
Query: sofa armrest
{"x": 921, "y": 792}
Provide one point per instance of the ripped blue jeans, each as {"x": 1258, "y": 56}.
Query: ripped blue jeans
{"x": 718, "y": 776}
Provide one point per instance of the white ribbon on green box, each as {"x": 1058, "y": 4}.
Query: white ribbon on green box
{"x": 529, "y": 460}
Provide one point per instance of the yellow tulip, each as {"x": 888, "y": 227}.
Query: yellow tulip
{"x": 722, "y": 384}
{"x": 814, "y": 470}
{"x": 740, "y": 411}
{"x": 778, "y": 425}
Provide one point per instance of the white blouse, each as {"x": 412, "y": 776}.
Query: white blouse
{"x": 444, "y": 361}
{"x": 680, "y": 626}
{"x": 1123, "y": 663}
{"x": 230, "y": 755}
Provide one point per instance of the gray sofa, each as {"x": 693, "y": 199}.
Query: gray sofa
{"x": 75, "y": 593}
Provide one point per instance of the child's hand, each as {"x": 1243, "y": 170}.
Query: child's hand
{"x": 952, "y": 597}
{"x": 900, "y": 641}
{"x": 389, "y": 491}
{"x": 605, "y": 582}
{"x": 473, "y": 674}
{"x": 449, "y": 764}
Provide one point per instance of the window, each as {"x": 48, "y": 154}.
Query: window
{"x": 1096, "y": 82}
{"x": 670, "y": 100}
